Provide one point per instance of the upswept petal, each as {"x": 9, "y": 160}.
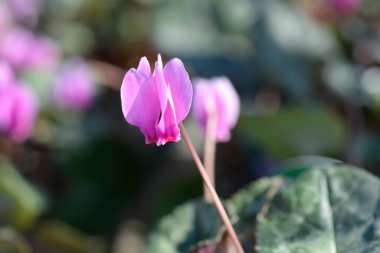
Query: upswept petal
{"x": 144, "y": 67}
{"x": 145, "y": 110}
{"x": 132, "y": 83}
{"x": 162, "y": 86}
{"x": 180, "y": 86}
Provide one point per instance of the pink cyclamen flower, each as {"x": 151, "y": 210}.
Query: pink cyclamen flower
{"x": 75, "y": 85}
{"x": 157, "y": 103}
{"x": 22, "y": 49}
{"x": 216, "y": 97}
{"x": 18, "y": 111}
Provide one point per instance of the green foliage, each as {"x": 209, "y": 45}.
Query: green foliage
{"x": 330, "y": 208}
{"x": 296, "y": 130}
{"x": 188, "y": 225}
{"x": 333, "y": 209}
{"x": 20, "y": 202}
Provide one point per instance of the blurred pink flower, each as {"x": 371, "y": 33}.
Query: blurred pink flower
{"x": 18, "y": 111}
{"x": 157, "y": 103}
{"x": 45, "y": 53}
{"x": 25, "y": 10}
{"x": 7, "y": 77}
{"x": 5, "y": 18}
{"x": 344, "y": 7}
{"x": 216, "y": 96}
{"x": 15, "y": 46}
{"x": 74, "y": 86}
{"x": 24, "y": 50}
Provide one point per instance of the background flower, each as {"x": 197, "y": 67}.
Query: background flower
{"x": 18, "y": 111}
{"x": 74, "y": 86}
{"x": 216, "y": 97}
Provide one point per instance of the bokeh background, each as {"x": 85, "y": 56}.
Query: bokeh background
{"x": 307, "y": 72}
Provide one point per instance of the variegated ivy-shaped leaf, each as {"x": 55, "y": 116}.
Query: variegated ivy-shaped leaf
{"x": 334, "y": 209}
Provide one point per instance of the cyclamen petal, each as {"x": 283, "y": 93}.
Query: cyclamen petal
{"x": 180, "y": 87}
{"x": 7, "y": 77}
{"x": 150, "y": 101}
{"x": 18, "y": 111}
{"x": 25, "y": 112}
{"x": 216, "y": 96}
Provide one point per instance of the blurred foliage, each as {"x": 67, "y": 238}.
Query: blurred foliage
{"x": 21, "y": 203}
{"x": 296, "y": 130}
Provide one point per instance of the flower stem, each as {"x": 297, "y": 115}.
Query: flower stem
{"x": 209, "y": 154}
{"x": 210, "y": 188}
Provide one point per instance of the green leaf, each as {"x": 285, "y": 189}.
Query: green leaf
{"x": 12, "y": 241}
{"x": 188, "y": 225}
{"x": 249, "y": 202}
{"x": 294, "y": 167}
{"x": 332, "y": 209}
{"x": 60, "y": 237}
{"x": 20, "y": 202}
{"x": 296, "y": 130}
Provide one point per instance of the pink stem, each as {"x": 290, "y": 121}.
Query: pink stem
{"x": 210, "y": 188}
{"x": 209, "y": 154}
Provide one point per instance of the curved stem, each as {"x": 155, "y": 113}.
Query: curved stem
{"x": 210, "y": 188}
{"x": 209, "y": 153}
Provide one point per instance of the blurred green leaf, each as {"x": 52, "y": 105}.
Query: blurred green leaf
{"x": 202, "y": 27}
{"x": 12, "y": 242}
{"x": 62, "y": 238}
{"x": 25, "y": 202}
{"x": 296, "y": 130}
{"x": 333, "y": 209}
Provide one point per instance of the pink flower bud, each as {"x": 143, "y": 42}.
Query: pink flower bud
{"x": 18, "y": 111}
{"x": 74, "y": 87}
{"x": 157, "y": 103}
{"x": 216, "y": 97}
